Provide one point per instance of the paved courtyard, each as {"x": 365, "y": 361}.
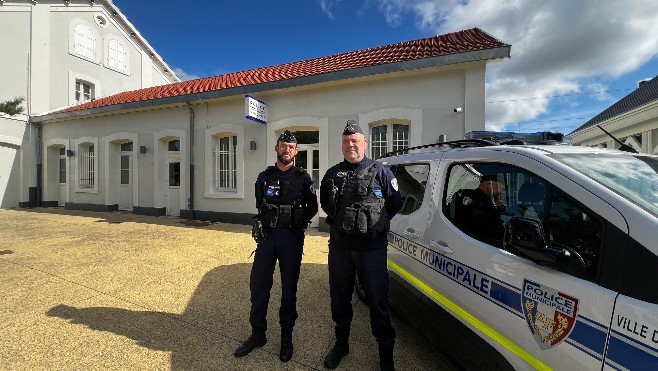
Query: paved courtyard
{"x": 117, "y": 291}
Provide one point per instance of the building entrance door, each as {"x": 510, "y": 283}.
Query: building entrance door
{"x": 308, "y": 158}
{"x": 173, "y": 187}
{"x": 125, "y": 182}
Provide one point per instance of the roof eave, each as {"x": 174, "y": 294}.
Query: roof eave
{"x": 491, "y": 54}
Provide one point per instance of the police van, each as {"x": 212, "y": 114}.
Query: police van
{"x": 572, "y": 281}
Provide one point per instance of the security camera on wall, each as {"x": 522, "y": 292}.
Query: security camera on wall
{"x": 458, "y": 109}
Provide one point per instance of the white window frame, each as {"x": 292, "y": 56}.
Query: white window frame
{"x": 87, "y": 166}
{"x": 224, "y": 176}
{"x": 224, "y": 159}
{"x": 390, "y": 143}
{"x": 84, "y": 42}
{"x": 117, "y": 56}
{"x": 80, "y": 93}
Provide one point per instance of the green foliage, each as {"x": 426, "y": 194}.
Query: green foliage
{"x": 12, "y": 107}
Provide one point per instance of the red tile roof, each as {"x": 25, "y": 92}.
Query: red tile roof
{"x": 457, "y": 42}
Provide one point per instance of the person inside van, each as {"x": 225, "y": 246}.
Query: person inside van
{"x": 478, "y": 211}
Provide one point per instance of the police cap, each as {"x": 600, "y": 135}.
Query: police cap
{"x": 352, "y": 128}
{"x": 489, "y": 177}
{"x": 287, "y": 136}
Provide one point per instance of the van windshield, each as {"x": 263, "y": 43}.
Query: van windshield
{"x": 634, "y": 177}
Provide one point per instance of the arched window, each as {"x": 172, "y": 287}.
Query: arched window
{"x": 85, "y": 42}
{"x": 116, "y": 55}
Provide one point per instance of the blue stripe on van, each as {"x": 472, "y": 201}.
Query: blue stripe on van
{"x": 507, "y": 297}
{"x": 589, "y": 337}
{"x": 627, "y": 353}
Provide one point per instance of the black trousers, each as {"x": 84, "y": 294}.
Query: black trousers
{"x": 285, "y": 245}
{"x": 370, "y": 265}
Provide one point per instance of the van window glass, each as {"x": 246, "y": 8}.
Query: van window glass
{"x": 412, "y": 180}
{"x": 634, "y": 177}
{"x": 570, "y": 224}
{"x": 481, "y": 198}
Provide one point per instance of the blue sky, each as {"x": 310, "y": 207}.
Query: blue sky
{"x": 570, "y": 59}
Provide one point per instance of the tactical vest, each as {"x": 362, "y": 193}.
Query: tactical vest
{"x": 356, "y": 207}
{"x": 282, "y": 205}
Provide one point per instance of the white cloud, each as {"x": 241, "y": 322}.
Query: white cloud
{"x": 184, "y": 76}
{"x": 328, "y": 5}
{"x": 557, "y": 45}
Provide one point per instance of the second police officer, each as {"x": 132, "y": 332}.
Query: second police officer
{"x": 360, "y": 197}
{"x": 286, "y": 202}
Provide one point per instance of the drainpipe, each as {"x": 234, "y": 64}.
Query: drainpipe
{"x": 39, "y": 164}
{"x": 190, "y": 203}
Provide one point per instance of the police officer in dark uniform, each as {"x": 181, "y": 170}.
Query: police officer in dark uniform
{"x": 360, "y": 197}
{"x": 479, "y": 210}
{"x": 286, "y": 202}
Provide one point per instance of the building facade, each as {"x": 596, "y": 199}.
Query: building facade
{"x": 195, "y": 148}
{"x": 57, "y": 54}
{"x": 633, "y": 120}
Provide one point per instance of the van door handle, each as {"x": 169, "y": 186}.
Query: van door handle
{"x": 442, "y": 246}
{"x": 410, "y": 232}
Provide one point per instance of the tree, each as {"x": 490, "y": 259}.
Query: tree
{"x": 12, "y": 107}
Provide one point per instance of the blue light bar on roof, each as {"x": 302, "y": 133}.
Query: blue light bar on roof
{"x": 540, "y": 137}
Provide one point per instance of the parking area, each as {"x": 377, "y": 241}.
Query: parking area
{"x": 117, "y": 291}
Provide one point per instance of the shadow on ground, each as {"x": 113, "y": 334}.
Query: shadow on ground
{"x": 215, "y": 321}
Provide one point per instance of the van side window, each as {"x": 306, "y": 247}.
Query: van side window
{"x": 412, "y": 180}
{"x": 481, "y": 198}
{"x": 570, "y": 224}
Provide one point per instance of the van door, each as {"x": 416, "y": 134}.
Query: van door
{"x": 534, "y": 315}
{"x": 633, "y": 343}
{"x": 407, "y": 230}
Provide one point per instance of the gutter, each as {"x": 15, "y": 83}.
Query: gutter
{"x": 190, "y": 203}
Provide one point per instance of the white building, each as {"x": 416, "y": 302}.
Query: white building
{"x": 57, "y": 54}
{"x": 633, "y": 120}
{"x": 188, "y": 148}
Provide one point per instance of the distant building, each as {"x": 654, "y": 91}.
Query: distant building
{"x": 58, "y": 54}
{"x": 194, "y": 148}
{"x": 633, "y": 120}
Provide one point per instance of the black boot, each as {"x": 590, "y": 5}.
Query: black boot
{"x": 336, "y": 354}
{"x": 286, "y": 347}
{"x": 386, "y": 358}
{"x": 256, "y": 340}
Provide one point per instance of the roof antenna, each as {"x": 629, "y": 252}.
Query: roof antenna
{"x": 622, "y": 146}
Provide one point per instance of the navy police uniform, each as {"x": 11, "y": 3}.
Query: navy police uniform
{"x": 359, "y": 199}
{"x": 286, "y": 203}
{"x": 477, "y": 213}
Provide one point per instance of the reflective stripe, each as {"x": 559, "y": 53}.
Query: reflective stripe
{"x": 483, "y": 327}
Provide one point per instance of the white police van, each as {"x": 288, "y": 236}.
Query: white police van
{"x": 573, "y": 282}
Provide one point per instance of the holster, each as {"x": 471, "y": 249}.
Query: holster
{"x": 257, "y": 231}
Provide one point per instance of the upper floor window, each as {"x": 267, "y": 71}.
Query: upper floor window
{"x": 388, "y": 137}
{"x": 84, "y": 91}
{"x": 84, "y": 42}
{"x": 225, "y": 163}
{"x": 116, "y": 55}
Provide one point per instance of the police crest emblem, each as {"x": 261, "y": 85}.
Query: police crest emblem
{"x": 550, "y": 314}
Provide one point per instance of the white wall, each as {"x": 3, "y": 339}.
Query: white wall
{"x": 11, "y": 139}
{"x": 426, "y": 99}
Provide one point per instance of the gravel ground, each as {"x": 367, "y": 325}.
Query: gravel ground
{"x": 118, "y": 291}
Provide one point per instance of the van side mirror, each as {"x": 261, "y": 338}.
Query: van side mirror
{"x": 525, "y": 237}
